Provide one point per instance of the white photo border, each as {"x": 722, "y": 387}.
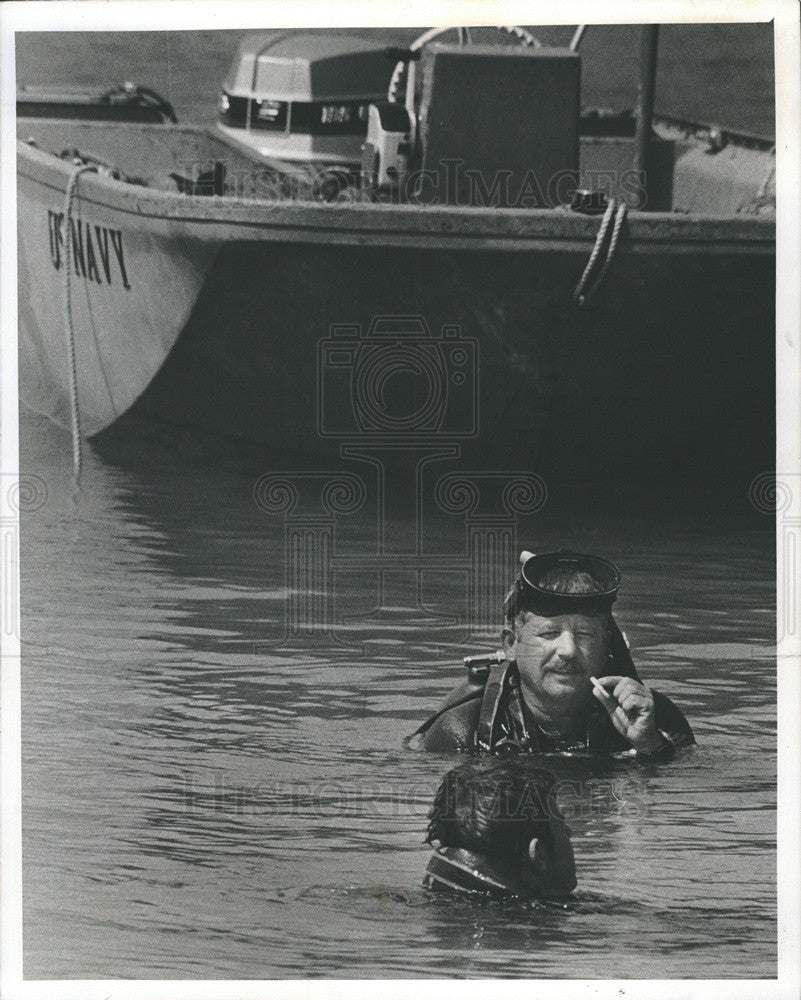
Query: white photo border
{"x": 175, "y": 15}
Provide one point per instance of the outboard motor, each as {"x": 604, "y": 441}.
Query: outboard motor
{"x": 302, "y": 96}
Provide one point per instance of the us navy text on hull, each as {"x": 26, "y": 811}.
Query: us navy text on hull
{"x": 91, "y": 251}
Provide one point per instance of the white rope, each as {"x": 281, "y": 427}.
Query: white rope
{"x": 620, "y": 218}
{"x": 75, "y": 414}
{"x": 578, "y": 294}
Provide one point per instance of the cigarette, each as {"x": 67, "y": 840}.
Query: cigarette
{"x": 601, "y": 689}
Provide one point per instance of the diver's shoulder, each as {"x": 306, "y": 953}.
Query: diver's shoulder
{"x": 455, "y": 728}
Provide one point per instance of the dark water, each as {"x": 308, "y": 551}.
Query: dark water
{"x": 200, "y": 803}
{"x": 203, "y": 800}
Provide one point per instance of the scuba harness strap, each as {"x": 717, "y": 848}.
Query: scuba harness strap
{"x": 501, "y": 722}
{"x": 490, "y": 711}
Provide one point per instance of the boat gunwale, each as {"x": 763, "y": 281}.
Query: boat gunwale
{"x": 375, "y": 221}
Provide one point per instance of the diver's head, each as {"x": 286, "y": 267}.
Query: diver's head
{"x": 555, "y": 583}
{"x": 558, "y": 626}
{"x": 499, "y": 831}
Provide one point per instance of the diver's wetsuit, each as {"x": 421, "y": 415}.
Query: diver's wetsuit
{"x": 494, "y": 716}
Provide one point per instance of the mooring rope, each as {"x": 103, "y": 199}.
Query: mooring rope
{"x": 75, "y": 414}
{"x": 620, "y": 218}
{"x": 578, "y": 294}
{"x": 584, "y": 289}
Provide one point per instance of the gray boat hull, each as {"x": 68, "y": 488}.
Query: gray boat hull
{"x": 671, "y": 364}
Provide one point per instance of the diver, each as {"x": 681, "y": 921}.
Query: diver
{"x": 564, "y": 680}
{"x": 499, "y": 833}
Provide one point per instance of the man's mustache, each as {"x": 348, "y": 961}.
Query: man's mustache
{"x": 562, "y": 664}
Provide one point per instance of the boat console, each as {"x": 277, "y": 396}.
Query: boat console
{"x": 495, "y": 124}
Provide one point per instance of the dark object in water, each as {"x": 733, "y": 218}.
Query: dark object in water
{"x": 456, "y": 870}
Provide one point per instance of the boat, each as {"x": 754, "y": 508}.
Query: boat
{"x": 562, "y": 313}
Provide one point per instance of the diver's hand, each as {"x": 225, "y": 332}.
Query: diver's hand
{"x": 631, "y": 708}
